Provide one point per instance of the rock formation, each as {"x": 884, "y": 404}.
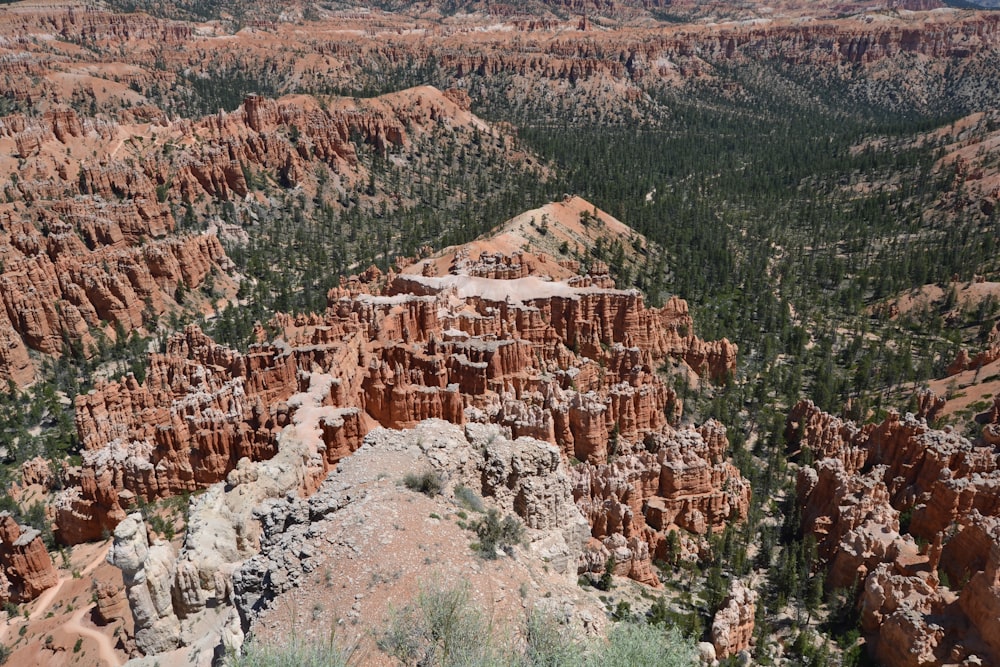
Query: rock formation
{"x": 733, "y": 625}
{"x": 202, "y": 408}
{"x": 58, "y": 290}
{"x": 980, "y": 600}
{"x": 148, "y": 571}
{"x": 964, "y": 362}
{"x": 27, "y": 568}
{"x": 88, "y": 241}
{"x": 536, "y": 371}
{"x": 676, "y": 481}
{"x": 929, "y": 405}
{"x": 910, "y": 514}
{"x": 562, "y": 361}
{"x": 112, "y": 602}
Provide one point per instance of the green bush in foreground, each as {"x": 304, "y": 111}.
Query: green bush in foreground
{"x": 428, "y": 483}
{"x": 444, "y": 628}
{"x": 495, "y": 532}
{"x": 298, "y": 653}
{"x": 641, "y": 645}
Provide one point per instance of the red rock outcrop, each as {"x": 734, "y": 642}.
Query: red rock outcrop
{"x": 15, "y": 364}
{"x": 929, "y": 405}
{"x": 89, "y": 240}
{"x": 201, "y": 409}
{"x": 941, "y": 474}
{"x": 37, "y": 471}
{"x": 895, "y": 607}
{"x": 287, "y": 137}
{"x": 675, "y": 481}
{"x": 112, "y": 603}
{"x": 164, "y": 54}
{"x": 90, "y": 265}
{"x": 856, "y": 527}
{"x": 570, "y": 363}
{"x": 27, "y": 566}
{"x": 980, "y": 600}
{"x": 911, "y": 514}
{"x": 965, "y": 362}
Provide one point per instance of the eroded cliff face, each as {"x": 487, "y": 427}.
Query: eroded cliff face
{"x": 130, "y": 168}
{"x": 85, "y": 248}
{"x": 90, "y": 266}
{"x": 909, "y": 514}
{"x": 676, "y": 480}
{"x": 88, "y": 241}
{"x": 202, "y": 408}
{"x": 570, "y": 363}
{"x": 732, "y": 627}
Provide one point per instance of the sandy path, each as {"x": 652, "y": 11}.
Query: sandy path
{"x": 114, "y": 151}
{"x": 44, "y": 601}
{"x": 105, "y": 649}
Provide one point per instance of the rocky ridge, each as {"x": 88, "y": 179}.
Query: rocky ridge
{"x": 303, "y": 538}
{"x": 568, "y": 365}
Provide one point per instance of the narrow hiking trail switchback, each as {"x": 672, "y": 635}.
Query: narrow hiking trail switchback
{"x": 74, "y": 625}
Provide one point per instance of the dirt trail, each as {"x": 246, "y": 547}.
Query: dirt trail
{"x": 105, "y": 648}
{"x": 44, "y": 601}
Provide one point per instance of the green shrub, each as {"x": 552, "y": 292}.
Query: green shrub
{"x": 622, "y": 611}
{"x": 607, "y": 580}
{"x": 547, "y": 644}
{"x": 428, "y": 483}
{"x": 635, "y": 645}
{"x": 166, "y": 528}
{"x": 495, "y": 532}
{"x": 469, "y": 499}
{"x": 297, "y": 653}
{"x": 442, "y": 628}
